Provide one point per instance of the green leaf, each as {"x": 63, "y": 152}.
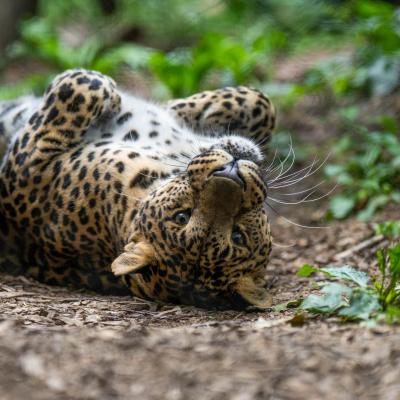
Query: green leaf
{"x": 351, "y": 113}
{"x": 335, "y": 296}
{"x": 373, "y": 205}
{"x": 334, "y": 288}
{"x": 341, "y": 206}
{"x": 394, "y": 262}
{"x": 361, "y": 306}
{"x": 390, "y": 229}
{"x": 134, "y": 56}
{"x": 36, "y": 83}
{"x": 347, "y": 273}
{"x": 389, "y": 124}
{"x": 306, "y": 270}
{"x": 380, "y": 256}
{"x": 321, "y": 304}
{"x": 287, "y": 305}
{"x": 333, "y": 170}
{"x": 392, "y": 314}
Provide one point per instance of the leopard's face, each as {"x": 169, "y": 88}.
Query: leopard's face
{"x": 203, "y": 238}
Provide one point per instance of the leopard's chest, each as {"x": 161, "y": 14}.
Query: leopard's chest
{"x": 147, "y": 128}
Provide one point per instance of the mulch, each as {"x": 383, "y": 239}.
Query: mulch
{"x": 60, "y": 343}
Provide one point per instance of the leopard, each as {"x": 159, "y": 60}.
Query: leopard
{"x": 104, "y": 190}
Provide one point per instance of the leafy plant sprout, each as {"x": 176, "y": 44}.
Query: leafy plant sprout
{"x": 354, "y": 295}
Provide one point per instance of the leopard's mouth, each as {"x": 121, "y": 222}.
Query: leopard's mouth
{"x": 203, "y": 297}
{"x": 246, "y": 295}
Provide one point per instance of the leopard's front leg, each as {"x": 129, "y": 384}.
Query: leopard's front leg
{"x": 240, "y": 110}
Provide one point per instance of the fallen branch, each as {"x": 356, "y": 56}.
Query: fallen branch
{"x": 359, "y": 246}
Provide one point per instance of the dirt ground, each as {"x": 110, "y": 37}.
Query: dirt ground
{"x": 57, "y": 343}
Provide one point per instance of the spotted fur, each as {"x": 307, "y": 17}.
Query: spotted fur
{"x": 104, "y": 190}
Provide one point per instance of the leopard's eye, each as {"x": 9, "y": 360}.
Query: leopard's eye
{"x": 182, "y": 217}
{"x": 238, "y": 237}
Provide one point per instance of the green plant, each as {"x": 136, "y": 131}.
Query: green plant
{"x": 50, "y": 38}
{"x": 355, "y": 295}
{"x": 33, "y": 83}
{"x": 389, "y": 229}
{"x": 368, "y": 170}
{"x": 216, "y": 58}
{"x": 373, "y": 67}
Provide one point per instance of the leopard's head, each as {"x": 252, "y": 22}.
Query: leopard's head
{"x": 203, "y": 237}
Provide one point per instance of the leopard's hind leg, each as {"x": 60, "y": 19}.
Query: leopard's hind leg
{"x": 73, "y": 102}
{"x": 30, "y": 173}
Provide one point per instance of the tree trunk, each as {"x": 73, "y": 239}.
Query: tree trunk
{"x": 11, "y": 13}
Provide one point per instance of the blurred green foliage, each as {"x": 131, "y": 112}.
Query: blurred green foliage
{"x": 388, "y": 229}
{"x": 374, "y": 67}
{"x": 368, "y": 170}
{"x": 184, "y": 46}
{"x": 216, "y": 57}
{"x": 189, "y": 45}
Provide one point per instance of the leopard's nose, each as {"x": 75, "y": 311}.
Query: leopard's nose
{"x": 230, "y": 171}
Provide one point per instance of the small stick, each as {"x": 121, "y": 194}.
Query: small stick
{"x": 359, "y": 246}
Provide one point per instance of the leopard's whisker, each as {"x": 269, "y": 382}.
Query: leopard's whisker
{"x": 287, "y": 169}
{"x": 127, "y": 196}
{"x": 196, "y": 146}
{"x": 192, "y": 138}
{"x": 282, "y": 246}
{"x": 305, "y": 199}
{"x": 308, "y": 174}
{"x": 172, "y": 157}
{"x": 181, "y": 164}
{"x": 292, "y": 162}
{"x": 175, "y": 158}
{"x": 324, "y": 195}
{"x": 279, "y": 166}
{"x": 296, "y": 177}
{"x": 293, "y": 175}
{"x": 267, "y": 169}
{"x": 228, "y": 128}
{"x": 187, "y": 157}
{"x": 295, "y": 223}
{"x": 262, "y": 141}
{"x": 173, "y": 165}
{"x": 290, "y": 182}
{"x": 282, "y": 163}
{"x": 297, "y": 193}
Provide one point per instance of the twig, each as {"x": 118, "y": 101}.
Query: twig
{"x": 359, "y": 246}
{"x": 10, "y": 295}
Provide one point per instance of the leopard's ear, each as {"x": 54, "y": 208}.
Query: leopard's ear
{"x": 135, "y": 257}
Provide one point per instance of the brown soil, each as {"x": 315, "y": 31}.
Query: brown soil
{"x": 57, "y": 343}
